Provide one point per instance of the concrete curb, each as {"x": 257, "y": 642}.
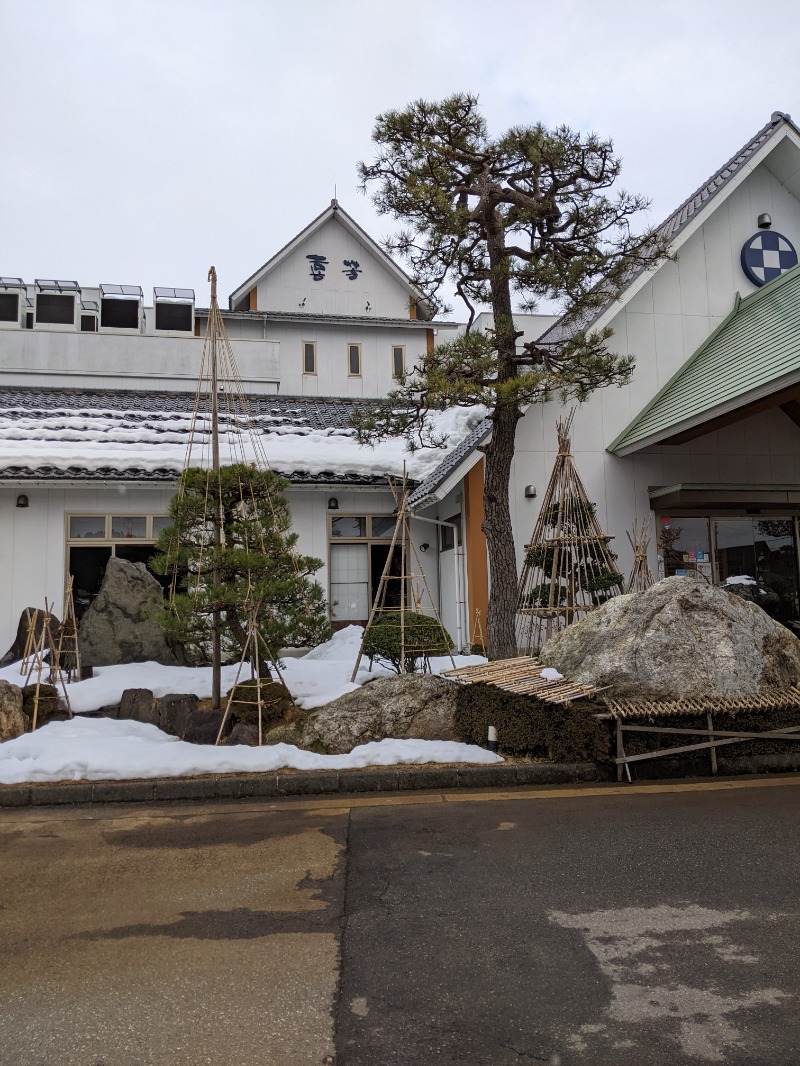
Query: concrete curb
{"x": 271, "y": 785}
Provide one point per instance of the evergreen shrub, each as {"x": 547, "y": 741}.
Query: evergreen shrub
{"x": 526, "y": 726}
{"x": 423, "y": 636}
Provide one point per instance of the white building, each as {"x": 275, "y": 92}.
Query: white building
{"x": 704, "y": 442}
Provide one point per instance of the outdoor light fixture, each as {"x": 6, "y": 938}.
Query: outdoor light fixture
{"x": 424, "y": 547}
{"x": 333, "y": 504}
{"x": 530, "y": 492}
{"x": 22, "y": 500}
{"x": 764, "y": 221}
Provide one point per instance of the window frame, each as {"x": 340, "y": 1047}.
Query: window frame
{"x": 350, "y": 348}
{"x": 313, "y": 346}
{"x": 402, "y": 349}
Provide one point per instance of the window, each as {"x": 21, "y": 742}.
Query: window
{"x": 309, "y": 357}
{"x": 354, "y": 360}
{"x": 88, "y": 323}
{"x": 448, "y": 534}
{"x": 9, "y": 307}
{"x": 356, "y": 568}
{"x": 398, "y": 360}
{"x": 129, "y": 537}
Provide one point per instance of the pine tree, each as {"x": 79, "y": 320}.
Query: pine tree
{"x": 257, "y": 565}
{"x": 518, "y": 218}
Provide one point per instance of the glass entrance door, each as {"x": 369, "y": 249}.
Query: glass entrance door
{"x": 762, "y": 549}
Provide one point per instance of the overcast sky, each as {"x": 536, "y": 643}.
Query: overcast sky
{"x": 147, "y": 139}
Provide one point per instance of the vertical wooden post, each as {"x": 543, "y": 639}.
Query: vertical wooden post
{"x": 620, "y": 749}
{"x": 713, "y": 751}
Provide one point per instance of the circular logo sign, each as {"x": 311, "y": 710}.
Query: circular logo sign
{"x": 767, "y": 255}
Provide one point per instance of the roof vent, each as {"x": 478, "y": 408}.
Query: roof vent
{"x": 764, "y": 221}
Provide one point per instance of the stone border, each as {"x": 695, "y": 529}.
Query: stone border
{"x": 301, "y": 783}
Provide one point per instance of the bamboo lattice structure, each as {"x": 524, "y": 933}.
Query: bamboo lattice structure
{"x": 569, "y": 568}
{"x": 402, "y": 592}
{"x": 42, "y": 652}
{"x": 523, "y": 677}
{"x": 641, "y": 576}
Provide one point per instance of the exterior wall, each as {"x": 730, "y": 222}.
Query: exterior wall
{"x": 331, "y": 378}
{"x": 289, "y": 286}
{"x": 662, "y": 326}
{"x": 73, "y": 359}
{"x": 33, "y": 558}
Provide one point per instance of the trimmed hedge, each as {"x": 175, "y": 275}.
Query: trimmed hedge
{"x": 423, "y": 636}
{"x": 526, "y": 726}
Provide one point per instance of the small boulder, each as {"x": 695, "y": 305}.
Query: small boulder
{"x": 202, "y": 726}
{"x": 419, "y": 706}
{"x": 678, "y": 638}
{"x": 30, "y": 614}
{"x": 175, "y": 713}
{"x": 13, "y": 720}
{"x": 140, "y": 705}
{"x": 244, "y": 733}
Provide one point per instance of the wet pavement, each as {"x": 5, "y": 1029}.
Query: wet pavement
{"x": 571, "y": 926}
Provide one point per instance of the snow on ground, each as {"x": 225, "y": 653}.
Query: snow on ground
{"x": 101, "y": 749}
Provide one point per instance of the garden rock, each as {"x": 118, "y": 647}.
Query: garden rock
{"x": 202, "y": 727}
{"x": 13, "y": 720}
{"x": 17, "y": 649}
{"x": 140, "y": 705}
{"x": 119, "y": 626}
{"x": 409, "y": 705}
{"x": 679, "y": 638}
{"x": 176, "y": 713}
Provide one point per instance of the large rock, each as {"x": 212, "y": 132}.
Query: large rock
{"x": 13, "y": 721}
{"x": 406, "y": 706}
{"x": 119, "y": 626}
{"x": 679, "y": 638}
{"x": 30, "y": 614}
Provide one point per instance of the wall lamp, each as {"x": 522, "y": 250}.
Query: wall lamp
{"x": 22, "y": 500}
{"x": 333, "y": 504}
{"x": 530, "y": 492}
{"x": 424, "y": 547}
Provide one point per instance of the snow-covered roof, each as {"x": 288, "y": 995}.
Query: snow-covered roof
{"x": 82, "y": 434}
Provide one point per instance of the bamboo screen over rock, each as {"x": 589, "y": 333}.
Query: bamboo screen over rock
{"x": 568, "y": 568}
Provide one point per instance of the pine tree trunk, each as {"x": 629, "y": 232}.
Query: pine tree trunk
{"x": 500, "y": 622}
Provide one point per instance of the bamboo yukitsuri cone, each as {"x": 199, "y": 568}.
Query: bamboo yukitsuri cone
{"x": 641, "y": 576}
{"x": 569, "y": 568}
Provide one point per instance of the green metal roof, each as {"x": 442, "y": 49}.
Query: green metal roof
{"x": 758, "y": 344}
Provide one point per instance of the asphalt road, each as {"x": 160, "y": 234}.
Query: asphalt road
{"x": 596, "y": 926}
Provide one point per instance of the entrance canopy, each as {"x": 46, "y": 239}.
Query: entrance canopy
{"x": 750, "y": 363}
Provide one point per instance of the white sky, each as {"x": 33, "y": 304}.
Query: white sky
{"x": 146, "y": 139}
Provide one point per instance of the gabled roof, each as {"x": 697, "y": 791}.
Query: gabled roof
{"x": 429, "y": 490}
{"x": 753, "y": 353}
{"x": 334, "y": 211}
{"x": 691, "y": 208}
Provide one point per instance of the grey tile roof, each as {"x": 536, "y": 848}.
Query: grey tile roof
{"x": 79, "y": 419}
{"x": 336, "y": 320}
{"x": 685, "y": 212}
{"x": 437, "y": 477}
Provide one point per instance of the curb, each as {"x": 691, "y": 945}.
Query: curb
{"x": 271, "y": 785}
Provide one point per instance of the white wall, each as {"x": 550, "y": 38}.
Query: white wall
{"x": 662, "y": 326}
{"x": 289, "y": 285}
{"x": 72, "y": 359}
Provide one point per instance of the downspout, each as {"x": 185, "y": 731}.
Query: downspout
{"x": 457, "y": 557}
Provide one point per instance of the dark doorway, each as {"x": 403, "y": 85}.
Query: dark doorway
{"x": 378, "y": 554}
